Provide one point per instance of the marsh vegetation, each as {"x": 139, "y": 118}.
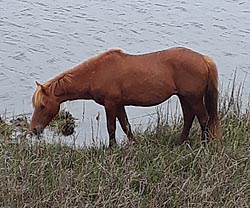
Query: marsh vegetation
{"x": 154, "y": 172}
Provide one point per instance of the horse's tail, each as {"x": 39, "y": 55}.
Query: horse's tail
{"x": 211, "y": 99}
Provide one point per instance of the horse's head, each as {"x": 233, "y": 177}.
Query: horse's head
{"x": 45, "y": 109}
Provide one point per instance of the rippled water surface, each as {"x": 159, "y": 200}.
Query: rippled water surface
{"x": 39, "y": 39}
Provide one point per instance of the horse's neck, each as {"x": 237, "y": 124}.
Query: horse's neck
{"x": 77, "y": 87}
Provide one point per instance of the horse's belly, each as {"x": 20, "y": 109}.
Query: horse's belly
{"x": 145, "y": 103}
{"x": 147, "y": 96}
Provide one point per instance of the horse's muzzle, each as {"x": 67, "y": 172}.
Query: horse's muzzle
{"x": 37, "y": 130}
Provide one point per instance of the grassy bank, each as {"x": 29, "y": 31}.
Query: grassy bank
{"x": 155, "y": 172}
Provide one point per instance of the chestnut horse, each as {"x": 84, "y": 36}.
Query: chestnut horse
{"x": 115, "y": 79}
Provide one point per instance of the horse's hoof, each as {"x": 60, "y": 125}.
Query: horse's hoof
{"x": 133, "y": 142}
{"x": 112, "y": 145}
{"x": 205, "y": 142}
{"x": 186, "y": 143}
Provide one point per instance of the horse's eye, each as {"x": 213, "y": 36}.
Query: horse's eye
{"x": 42, "y": 107}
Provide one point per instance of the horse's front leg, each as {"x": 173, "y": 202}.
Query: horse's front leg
{"x": 111, "y": 122}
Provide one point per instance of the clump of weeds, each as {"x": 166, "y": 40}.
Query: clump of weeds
{"x": 63, "y": 123}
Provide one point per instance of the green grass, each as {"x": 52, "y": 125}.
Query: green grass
{"x": 154, "y": 172}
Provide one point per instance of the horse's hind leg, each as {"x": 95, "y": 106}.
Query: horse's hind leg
{"x": 188, "y": 117}
{"x": 202, "y": 115}
{"x": 123, "y": 119}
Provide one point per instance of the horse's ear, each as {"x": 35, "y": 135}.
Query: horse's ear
{"x": 37, "y": 83}
{"x": 42, "y": 87}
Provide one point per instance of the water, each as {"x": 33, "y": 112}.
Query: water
{"x": 39, "y": 39}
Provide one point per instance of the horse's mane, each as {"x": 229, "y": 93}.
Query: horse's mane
{"x": 49, "y": 88}
{"x": 37, "y": 97}
{"x": 64, "y": 79}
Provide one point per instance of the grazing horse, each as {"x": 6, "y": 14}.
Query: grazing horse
{"x": 115, "y": 79}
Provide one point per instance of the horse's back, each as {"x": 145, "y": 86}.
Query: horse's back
{"x": 180, "y": 70}
{"x": 151, "y": 78}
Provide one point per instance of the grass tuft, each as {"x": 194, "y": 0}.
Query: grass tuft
{"x": 63, "y": 123}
